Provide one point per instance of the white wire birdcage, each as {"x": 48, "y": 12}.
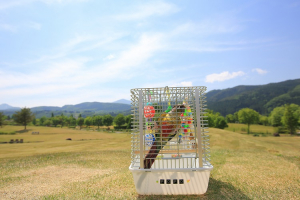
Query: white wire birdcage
{"x": 169, "y": 149}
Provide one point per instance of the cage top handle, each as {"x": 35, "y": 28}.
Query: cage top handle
{"x": 167, "y": 91}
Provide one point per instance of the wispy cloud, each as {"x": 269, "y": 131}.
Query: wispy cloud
{"x": 34, "y": 25}
{"x": 8, "y": 27}
{"x": 154, "y": 8}
{"x": 75, "y": 45}
{"x": 119, "y": 45}
{"x": 55, "y": 73}
{"x": 109, "y": 57}
{"x": 62, "y": 1}
{"x": 129, "y": 61}
{"x": 213, "y": 25}
{"x": 183, "y": 84}
{"x": 260, "y": 71}
{"x": 18, "y": 27}
{"x": 223, "y": 76}
{"x": 14, "y": 3}
{"x": 74, "y": 72}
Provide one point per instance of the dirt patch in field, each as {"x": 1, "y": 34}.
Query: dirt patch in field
{"x": 45, "y": 181}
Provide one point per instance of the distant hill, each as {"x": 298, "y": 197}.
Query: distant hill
{"x": 262, "y": 98}
{"x": 85, "y": 109}
{"x": 5, "y": 106}
{"x": 124, "y": 101}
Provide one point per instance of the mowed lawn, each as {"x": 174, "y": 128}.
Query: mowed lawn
{"x": 94, "y": 165}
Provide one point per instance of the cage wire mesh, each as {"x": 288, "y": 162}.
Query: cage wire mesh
{"x": 169, "y": 128}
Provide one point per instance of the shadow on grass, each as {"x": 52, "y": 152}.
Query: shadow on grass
{"x": 23, "y": 131}
{"x": 216, "y": 190}
{"x": 222, "y": 190}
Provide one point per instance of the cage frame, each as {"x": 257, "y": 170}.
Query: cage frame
{"x": 202, "y": 166}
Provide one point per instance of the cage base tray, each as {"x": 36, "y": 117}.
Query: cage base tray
{"x": 163, "y": 182}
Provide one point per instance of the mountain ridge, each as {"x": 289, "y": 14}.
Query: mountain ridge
{"x": 5, "y": 106}
{"x": 262, "y": 98}
{"x": 85, "y": 108}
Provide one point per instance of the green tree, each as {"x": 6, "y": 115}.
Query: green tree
{"x": 236, "y": 116}
{"x": 97, "y": 120}
{"x": 248, "y": 116}
{"x": 34, "y": 121}
{"x": 88, "y": 121}
{"x": 128, "y": 120}
{"x": 55, "y": 121}
{"x": 52, "y": 115}
{"x": 47, "y": 122}
{"x": 1, "y": 119}
{"x": 80, "y": 122}
{"x": 296, "y": 111}
{"x": 276, "y": 115}
{"x": 67, "y": 121}
{"x": 61, "y": 120}
{"x": 263, "y": 120}
{"x": 119, "y": 120}
{"x": 220, "y": 122}
{"x": 42, "y": 120}
{"x": 289, "y": 119}
{"x": 210, "y": 120}
{"x": 211, "y": 117}
{"x": 230, "y": 118}
{"x": 107, "y": 120}
{"x": 23, "y": 117}
{"x": 72, "y": 120}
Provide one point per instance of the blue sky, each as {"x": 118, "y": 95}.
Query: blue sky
{"x": 58, "y": 52}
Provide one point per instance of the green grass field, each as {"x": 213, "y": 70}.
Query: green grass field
{"x": 94, "y": 165}
{"x": 254, "y": 129}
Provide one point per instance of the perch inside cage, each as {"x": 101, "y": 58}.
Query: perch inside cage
{"x": 170, "y": 149}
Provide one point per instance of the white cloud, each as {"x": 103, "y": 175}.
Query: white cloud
{"x": 77, "y": 44}
{"x": 260, "y": 71}
{"x": 151, "y": 9}
{"x": 13, "y": 3}
{"x": 54, "y": 73}
{"x": 109, "y": 57}
{"x": 183, "y": 84}
{"x": 223, "y": 76}
{"x": 132, "y": 58}
{"x": 61, "y": 70}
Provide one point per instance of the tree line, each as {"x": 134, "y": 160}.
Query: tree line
{"x": 25, "y": 117}
{"x": 287, "y": 116}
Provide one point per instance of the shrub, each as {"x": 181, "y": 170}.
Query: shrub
{"x": 7, "y": 133}
{"x": 120, "y": 127}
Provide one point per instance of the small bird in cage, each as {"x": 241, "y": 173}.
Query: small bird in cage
{"x": 166, "y": 128}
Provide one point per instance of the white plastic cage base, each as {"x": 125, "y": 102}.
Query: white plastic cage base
{"x": 172, "y": 181}
{"x": 165, "y": 182}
